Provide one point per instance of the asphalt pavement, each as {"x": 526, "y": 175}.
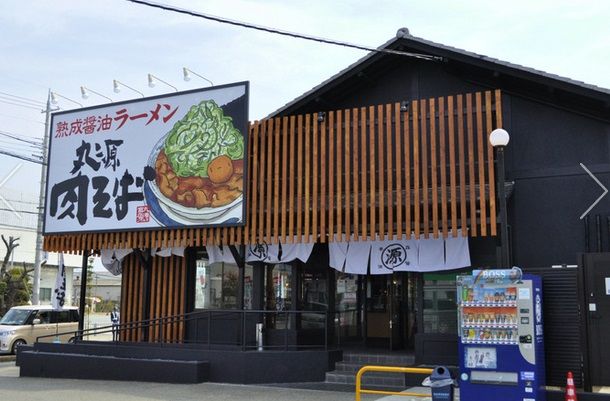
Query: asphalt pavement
{"x": 13, "y": 387}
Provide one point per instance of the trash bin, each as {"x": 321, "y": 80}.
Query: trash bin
{"x": 441, "y": 384}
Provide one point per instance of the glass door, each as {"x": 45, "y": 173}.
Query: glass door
{"x": 348, "y": 308}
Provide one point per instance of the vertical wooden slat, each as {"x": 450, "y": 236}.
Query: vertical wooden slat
{"x": 269, "y": 191}
{"x": 372, "y": 179}
{"x": 284, "y": 222}
{"x": 351, "y": 201}
{"x": 300, "y": 156}
{"x": 293, "y": 156}
{"x": 490, "y": 166}
{"x": 315, "y": 183}
{"x": 481, "y": 147}
{"x": 179, "y": 295}
{"x": 339, "y": 205}
{"x": 442, "y": 163}
{"x": 399, "y": 168}
{"x": 498, "y": 96}
{"x": 331, "y": 174}
{"x": 307, "y": 205}
{"x": 123, "y": 300}
{"x": 323, "y": 181}
{"x": 176, "y": 295}
{"x": 389, "y": 169}
{"x": 416, "y": 196}
{"x": 261, "y": 185}
{"x": 153, "y": 297}
{"x": 363, "y": 163}
{"x": 452, "y": 167}
{"x": 158, "y": 262}
{"x": 471, "y": 160}
{"x": 182, "y": 290}
{"x": 126, "y": 296}
{"x": 355, "y": 171}
{"x": 254, "y": 192}
{"x": 128, "y": 274}
{"x": 433, "y": 168}
{"x": 165, "y": 295}
{"x": 462, "y": 168}
{"x": 140, "y": 298}
{"x": 133, "y": 296}
{"x": 276, "y": 184}
{"x": 170, "y": 298}
{"x": 424, "y": 168}
{"x": 379, "y": 229}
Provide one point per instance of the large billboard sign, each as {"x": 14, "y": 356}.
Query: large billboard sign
{"x": 171, "y": 161}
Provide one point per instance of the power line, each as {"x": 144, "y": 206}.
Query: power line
{"x": 24, "y": 228}
{"x": 21, "y": 145}
{"x": 22, "y": 138}
{"x": 22, "y": 202}
{"x": 2, "y": 209}
{"x": 22, "y": 157}
{"x": 18, "y": 104}
{"x": 25, "y": 102}
{"x": 284, "y": 33}
{"x": 21, "y": 118}
{"x": 23, "y": 98}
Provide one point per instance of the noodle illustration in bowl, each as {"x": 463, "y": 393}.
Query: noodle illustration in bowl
{"x": 199, "y": 164}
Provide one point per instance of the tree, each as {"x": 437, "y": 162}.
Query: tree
{"x": 15, "y": 288}
{"x": 11, "y": 244}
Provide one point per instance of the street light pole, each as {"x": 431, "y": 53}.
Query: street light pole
{"x": 43, "y": 180}
{"x": 499, "y": 139}
{"x": 503, "y": 214}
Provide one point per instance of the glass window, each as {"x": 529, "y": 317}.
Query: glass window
{"x": 15, "y": 317}
{"x": 60, "y": 316}
{"x": 314, "y": 300}
{"x": 278, "y": 295}
{"x": 376, "y": 293}
{"x": 216, "y": 284}
{"x": 279, "y": 287}
{"x": 346, "y": 305}
{"x": 248, "y": 286}
{"x": 440, "y": 308}
{"x": 44, "y": 316}
{"x": 45, "y": 294}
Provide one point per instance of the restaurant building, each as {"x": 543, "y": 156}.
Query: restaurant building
{"x": 364, "y": 198}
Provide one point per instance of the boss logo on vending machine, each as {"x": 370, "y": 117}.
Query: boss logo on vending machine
{"x": 538, "y": 314}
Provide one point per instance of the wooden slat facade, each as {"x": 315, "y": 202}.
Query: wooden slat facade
{"x": 362, "y": 173}
{"x": 167, "y": 298}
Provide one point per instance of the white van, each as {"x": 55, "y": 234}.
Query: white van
{"x": 23, "y": 324}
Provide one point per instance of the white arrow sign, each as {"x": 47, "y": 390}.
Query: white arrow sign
{"x": 598, "y": 183}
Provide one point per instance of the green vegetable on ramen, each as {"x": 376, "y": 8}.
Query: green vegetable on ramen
{"x": 202, "y": 135}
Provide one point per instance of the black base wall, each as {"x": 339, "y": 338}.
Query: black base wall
{"x": 225, "y": 366}
{"x": 77, "y": 366}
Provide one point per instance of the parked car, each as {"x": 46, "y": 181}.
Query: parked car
{"x": 23, "y": 324}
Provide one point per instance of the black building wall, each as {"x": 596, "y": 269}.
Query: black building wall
{"x": 551, "y": 189}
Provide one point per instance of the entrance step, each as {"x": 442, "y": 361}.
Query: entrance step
{"x": 345, "y": 370}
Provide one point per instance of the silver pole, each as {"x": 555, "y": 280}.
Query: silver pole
{"x": 43, "y": 179}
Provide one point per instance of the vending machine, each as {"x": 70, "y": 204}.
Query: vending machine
{"x": 501, "y": 347}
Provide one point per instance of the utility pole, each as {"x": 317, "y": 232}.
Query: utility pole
{"x": 43, "y": 179}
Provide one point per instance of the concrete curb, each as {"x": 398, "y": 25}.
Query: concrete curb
{"x": 7, "y": 358}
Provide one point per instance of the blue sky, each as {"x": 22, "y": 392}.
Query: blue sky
{"x": 65, "y": 44}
